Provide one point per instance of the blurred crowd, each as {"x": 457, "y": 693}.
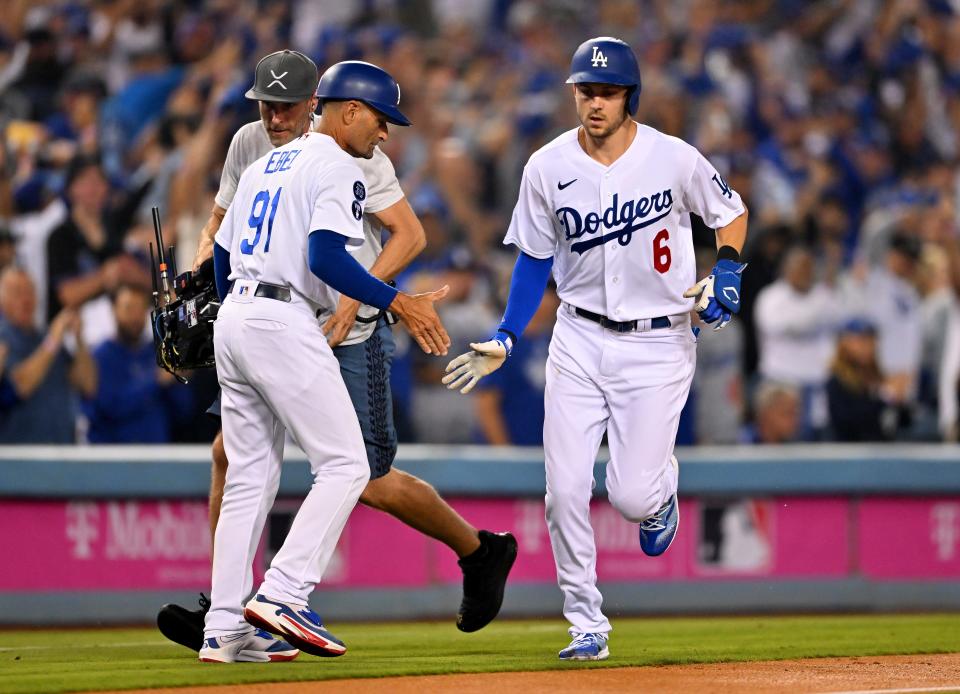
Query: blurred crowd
{"x": 836, "y": 120}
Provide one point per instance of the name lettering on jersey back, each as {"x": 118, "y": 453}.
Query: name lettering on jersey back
{"x": 633, "y": 215}
{"x": 281, "y": 160}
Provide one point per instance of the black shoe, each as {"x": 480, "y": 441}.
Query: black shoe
{"x": 484, "y": 578}
{"x": 184, "y": 626}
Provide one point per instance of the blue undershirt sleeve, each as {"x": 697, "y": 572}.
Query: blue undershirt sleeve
{"x": 221, "y": 270}
{"x": 332, "y": 262}
{"x": 527, "y": 285}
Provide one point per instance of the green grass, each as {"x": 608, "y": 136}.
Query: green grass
{"x": 37, "y": 661}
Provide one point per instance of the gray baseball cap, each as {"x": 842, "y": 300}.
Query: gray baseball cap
{"x": 284, "y": 76}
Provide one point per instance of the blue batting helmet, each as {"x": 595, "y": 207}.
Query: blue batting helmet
{"x": 355, "y": 79}
{"x": 607, "y": 60}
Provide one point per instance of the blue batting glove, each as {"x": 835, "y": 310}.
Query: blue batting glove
{"x": 718, "y": 295}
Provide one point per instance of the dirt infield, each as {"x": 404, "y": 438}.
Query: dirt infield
{"x": 872, "y": 673}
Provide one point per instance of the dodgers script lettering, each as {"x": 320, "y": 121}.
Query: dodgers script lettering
{"x": 633, "y": 215}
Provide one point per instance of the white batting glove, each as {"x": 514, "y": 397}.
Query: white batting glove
{"x": 702, "y": 291}
{"x": 465, "y": 371}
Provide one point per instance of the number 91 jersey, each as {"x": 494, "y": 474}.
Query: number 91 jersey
{"x": 306, "y": 185}
{"x": 620, "y": 235}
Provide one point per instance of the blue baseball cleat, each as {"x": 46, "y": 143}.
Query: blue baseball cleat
{"x": 657, "y": 531}
{"x": 298, "y": 624}
{"x": 586, "y": 647}
{"x": 255, "y": 646}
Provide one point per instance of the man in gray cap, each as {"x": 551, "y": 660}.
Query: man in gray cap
{"x": 285, "y": 87}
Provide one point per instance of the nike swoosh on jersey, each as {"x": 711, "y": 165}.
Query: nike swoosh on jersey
{"x": 561, "y": 186}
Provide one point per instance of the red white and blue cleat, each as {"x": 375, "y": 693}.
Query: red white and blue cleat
{"x": 298, "y": 624}
{"x": 255, "y": 646}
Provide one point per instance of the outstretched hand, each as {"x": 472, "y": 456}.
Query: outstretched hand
{"x": 419, "y": 317}
{"x": 465, "y": 371}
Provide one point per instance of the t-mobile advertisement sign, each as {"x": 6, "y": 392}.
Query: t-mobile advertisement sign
{"x": 104, "y": 545}
{"x": 131, "y": 545}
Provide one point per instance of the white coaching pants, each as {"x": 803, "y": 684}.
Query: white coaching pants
{"x": 277, "y": 373}
{"x": 633, "y": 386}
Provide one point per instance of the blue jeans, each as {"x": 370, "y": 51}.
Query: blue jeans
{"x": 365, "y": 368}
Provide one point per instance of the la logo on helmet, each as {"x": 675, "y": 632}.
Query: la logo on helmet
{"x": 598, "y": 59}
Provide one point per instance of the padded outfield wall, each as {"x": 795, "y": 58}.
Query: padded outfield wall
{"x": 108, "y": 534}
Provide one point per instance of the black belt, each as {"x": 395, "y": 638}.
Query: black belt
{"x": 270, "y": 291}
{"x": 626, "y": 326}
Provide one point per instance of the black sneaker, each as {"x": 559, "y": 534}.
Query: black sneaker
{"x": 484, "y": 578}
{"x": 184, "y": 626}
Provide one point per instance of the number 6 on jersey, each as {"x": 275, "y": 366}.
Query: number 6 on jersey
{"x": 661, "y": 251}
{"x": 257, "y": 218}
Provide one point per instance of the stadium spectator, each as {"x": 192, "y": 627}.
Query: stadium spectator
{"x": 85, "y": 254}
{"x": 74, "y": 128}
{"x": 886, "y": 295}
{"x": 42, "y": 372}
{"x": 858, "y": 411}
{"x": 777, "y": 414}
{"x": 40, "y": 75}
{"x": 135, "y": 400}
{"x": 796, "y": 317}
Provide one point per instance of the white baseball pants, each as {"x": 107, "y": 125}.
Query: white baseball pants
{"x": 633, "y": 386}
{"x": 277, "y": 373}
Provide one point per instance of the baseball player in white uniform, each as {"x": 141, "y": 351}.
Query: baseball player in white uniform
{"x": 363, "y": 347}
{"x": 607, "y": 207}
{"x": 281, "y": 260}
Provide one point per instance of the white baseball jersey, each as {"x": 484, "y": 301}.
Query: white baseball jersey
{"x": 277, "y": 373}
{"x": 250, "y": 143}
{"x": 621, "y": 240}
{"x": 291, "y": 191}
{"x": 620, "y": 234}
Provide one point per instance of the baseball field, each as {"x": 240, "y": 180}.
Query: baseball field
{"x": 850, "y": 652}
